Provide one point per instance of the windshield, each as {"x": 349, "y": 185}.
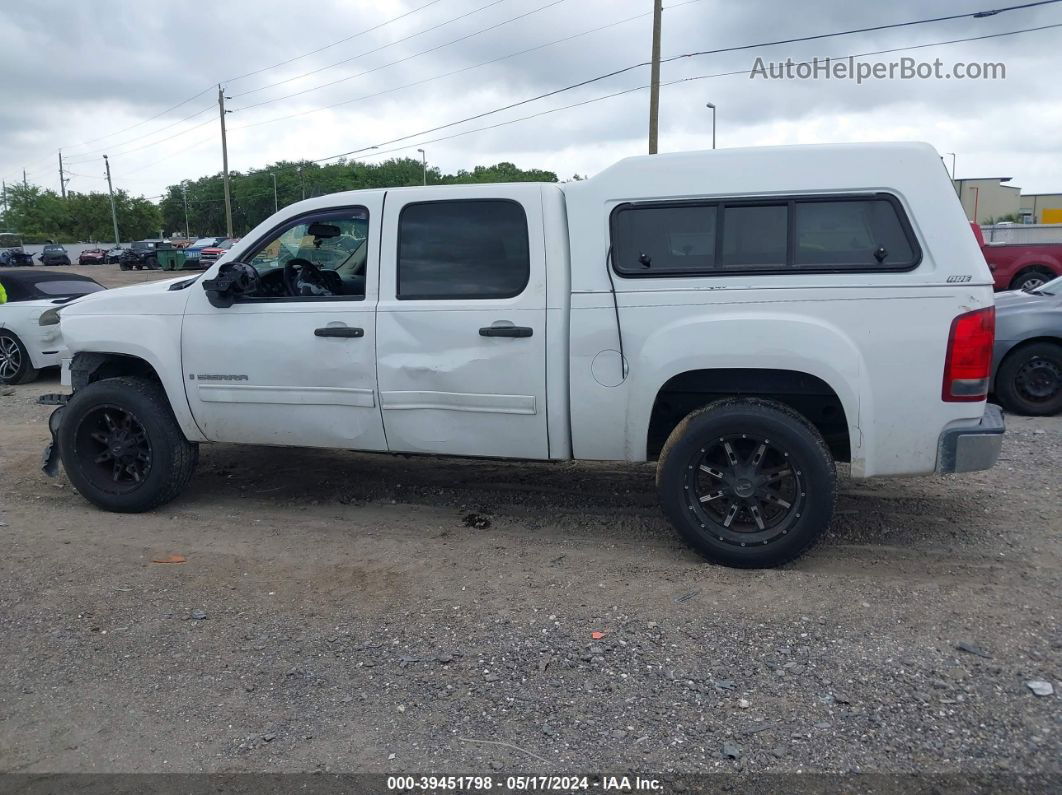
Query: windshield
{"x": 227, "y": 244}
{"x": 203, "y": 242}
{"x": 66, "y": 288}
{"x": 54, "y": 248}
{"x": 143, "y": 245}
{"x": 1053, "y": 287}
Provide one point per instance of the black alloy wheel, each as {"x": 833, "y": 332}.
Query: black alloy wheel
{"x": 744, "y": 489}
{"x": 114, "y": 449}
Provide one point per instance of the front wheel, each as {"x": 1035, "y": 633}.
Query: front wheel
{"x": 121, "y": 446}
{"x": 748, "y": 483}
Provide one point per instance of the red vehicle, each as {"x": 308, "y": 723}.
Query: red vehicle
{"x": 92, "y": 256}
{"x": 1020, "y": 266}
{"x": 209, "y": 255}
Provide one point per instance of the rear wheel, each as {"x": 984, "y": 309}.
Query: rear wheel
{"x": 15, "y": 364}
{"x": 1031, "y": 278}
{"x": 747, "y": 482}
{"x": 121, "y": 446}
{"x": 123, "y": 265}
{"x": 1029, "y": 380}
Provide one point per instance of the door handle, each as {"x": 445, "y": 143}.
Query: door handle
{"x": 338, "y": 331}
{"x": 506, "y": 331}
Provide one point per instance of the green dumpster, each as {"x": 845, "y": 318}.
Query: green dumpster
{"x": 169, "y": 258}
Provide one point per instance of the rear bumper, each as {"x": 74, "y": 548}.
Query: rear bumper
{"x": 972, "y": 447}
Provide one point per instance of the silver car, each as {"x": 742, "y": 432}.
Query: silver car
{"x": 1027, "y": 358}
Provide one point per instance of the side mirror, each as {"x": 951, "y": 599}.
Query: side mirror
{"x": 234, "y": 279}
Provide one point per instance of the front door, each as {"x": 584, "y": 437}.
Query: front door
{"x": 461, "y": 322}
{"x": 295, "y": 363}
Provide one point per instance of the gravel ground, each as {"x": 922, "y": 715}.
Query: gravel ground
{"x": 341, "y": 612}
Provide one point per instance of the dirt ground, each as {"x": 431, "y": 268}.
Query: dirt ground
{"x": 341, "y": 612}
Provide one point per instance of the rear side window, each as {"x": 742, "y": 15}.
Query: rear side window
{"x": 851, "y": 234}
{"x": 754, "y": 236}
{"x": 816, "y": 234}
{"x": 472, "y": 248}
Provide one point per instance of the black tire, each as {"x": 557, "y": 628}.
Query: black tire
{"x": 15, "y": 364}
{"x": 152, "y": 264}
{"x": 1029, "y": 381}
{"x": 121, "y": 446}
{"x": 792, "y": 483}
{"x": 123, "y": 265}
{"x": 1031, "y": 278}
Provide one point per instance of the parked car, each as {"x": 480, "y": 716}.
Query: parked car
{"x": 1020, "y": 266}
{"x": 141, "y": 254}
{"x": 211, "y": 254}
{"x": 25, "y": 345}
{"x": 1027, "y": 366}
{"x": 744, "y": 317}
{"x": 114, "y": 255}
{"x": 11, "y": 252}
{"x": 54, "y": 254}
{"x": 92, "y": 256}
{"x": 193, "y": 251}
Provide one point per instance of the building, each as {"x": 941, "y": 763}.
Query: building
{"x": 988, "y": 199}
{"x": 1041, "y": 208}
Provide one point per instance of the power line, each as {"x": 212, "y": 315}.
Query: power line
{"x": 85, "y": 156}
{"x": 329, "y": 46}
{"x": 374, "y": 50}
{"x": 671, "y": 83}
{"x": 716, "y": 51}
{"x": 233, "y": 79}
{"x": 459, "y": 71}
{"x": 406, "y": 58}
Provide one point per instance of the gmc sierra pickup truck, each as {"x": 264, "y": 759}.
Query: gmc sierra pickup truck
{"x": 745, "y": 318}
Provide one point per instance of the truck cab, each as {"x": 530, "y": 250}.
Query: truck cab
{"x": 744, "y": 318}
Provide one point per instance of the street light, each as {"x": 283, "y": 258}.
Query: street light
{"x": 710, "y": 105}
{"x": 952, "y": 164}
{"x": 424, "y": 164}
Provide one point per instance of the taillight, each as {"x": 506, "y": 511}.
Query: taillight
{"x": 968, "y": 363}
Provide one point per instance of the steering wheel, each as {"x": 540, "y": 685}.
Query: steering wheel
{"x": 302, "y": 278}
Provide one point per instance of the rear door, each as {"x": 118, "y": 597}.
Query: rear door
{"x": 460, "y": 326}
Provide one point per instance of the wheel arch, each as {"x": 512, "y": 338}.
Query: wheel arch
{"x": 807, "y": 394}
{"x": 87, "y": 367}
{"x": 1022, "y": 268}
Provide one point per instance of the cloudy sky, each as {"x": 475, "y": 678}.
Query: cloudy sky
{"x": 137, "y": 80}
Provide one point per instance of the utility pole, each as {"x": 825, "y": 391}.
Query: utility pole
{"x": 25, "y": 182}
{"x": 424, "y": 164}
{"x": 114, "y": 213}
{"x": 225, "y": 162}
{"x": 62, "y": 180}
{"x": 276, "y": 204}
{"x": 654, "y": 79}
{"x": 4, "y": 183}
{"x": 184, "y": 192}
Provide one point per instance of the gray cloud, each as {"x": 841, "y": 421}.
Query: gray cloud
{"x": 81, "y": 71}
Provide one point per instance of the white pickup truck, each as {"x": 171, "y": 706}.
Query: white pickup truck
{"x": 744, "y": 317}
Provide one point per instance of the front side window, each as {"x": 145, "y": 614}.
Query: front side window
{"x": 321, "y": 255}
{"x": 469, "y": 248}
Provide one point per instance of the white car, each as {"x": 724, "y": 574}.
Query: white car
{"x": 25, "y": 345}
{"x": 744, "y": 317}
